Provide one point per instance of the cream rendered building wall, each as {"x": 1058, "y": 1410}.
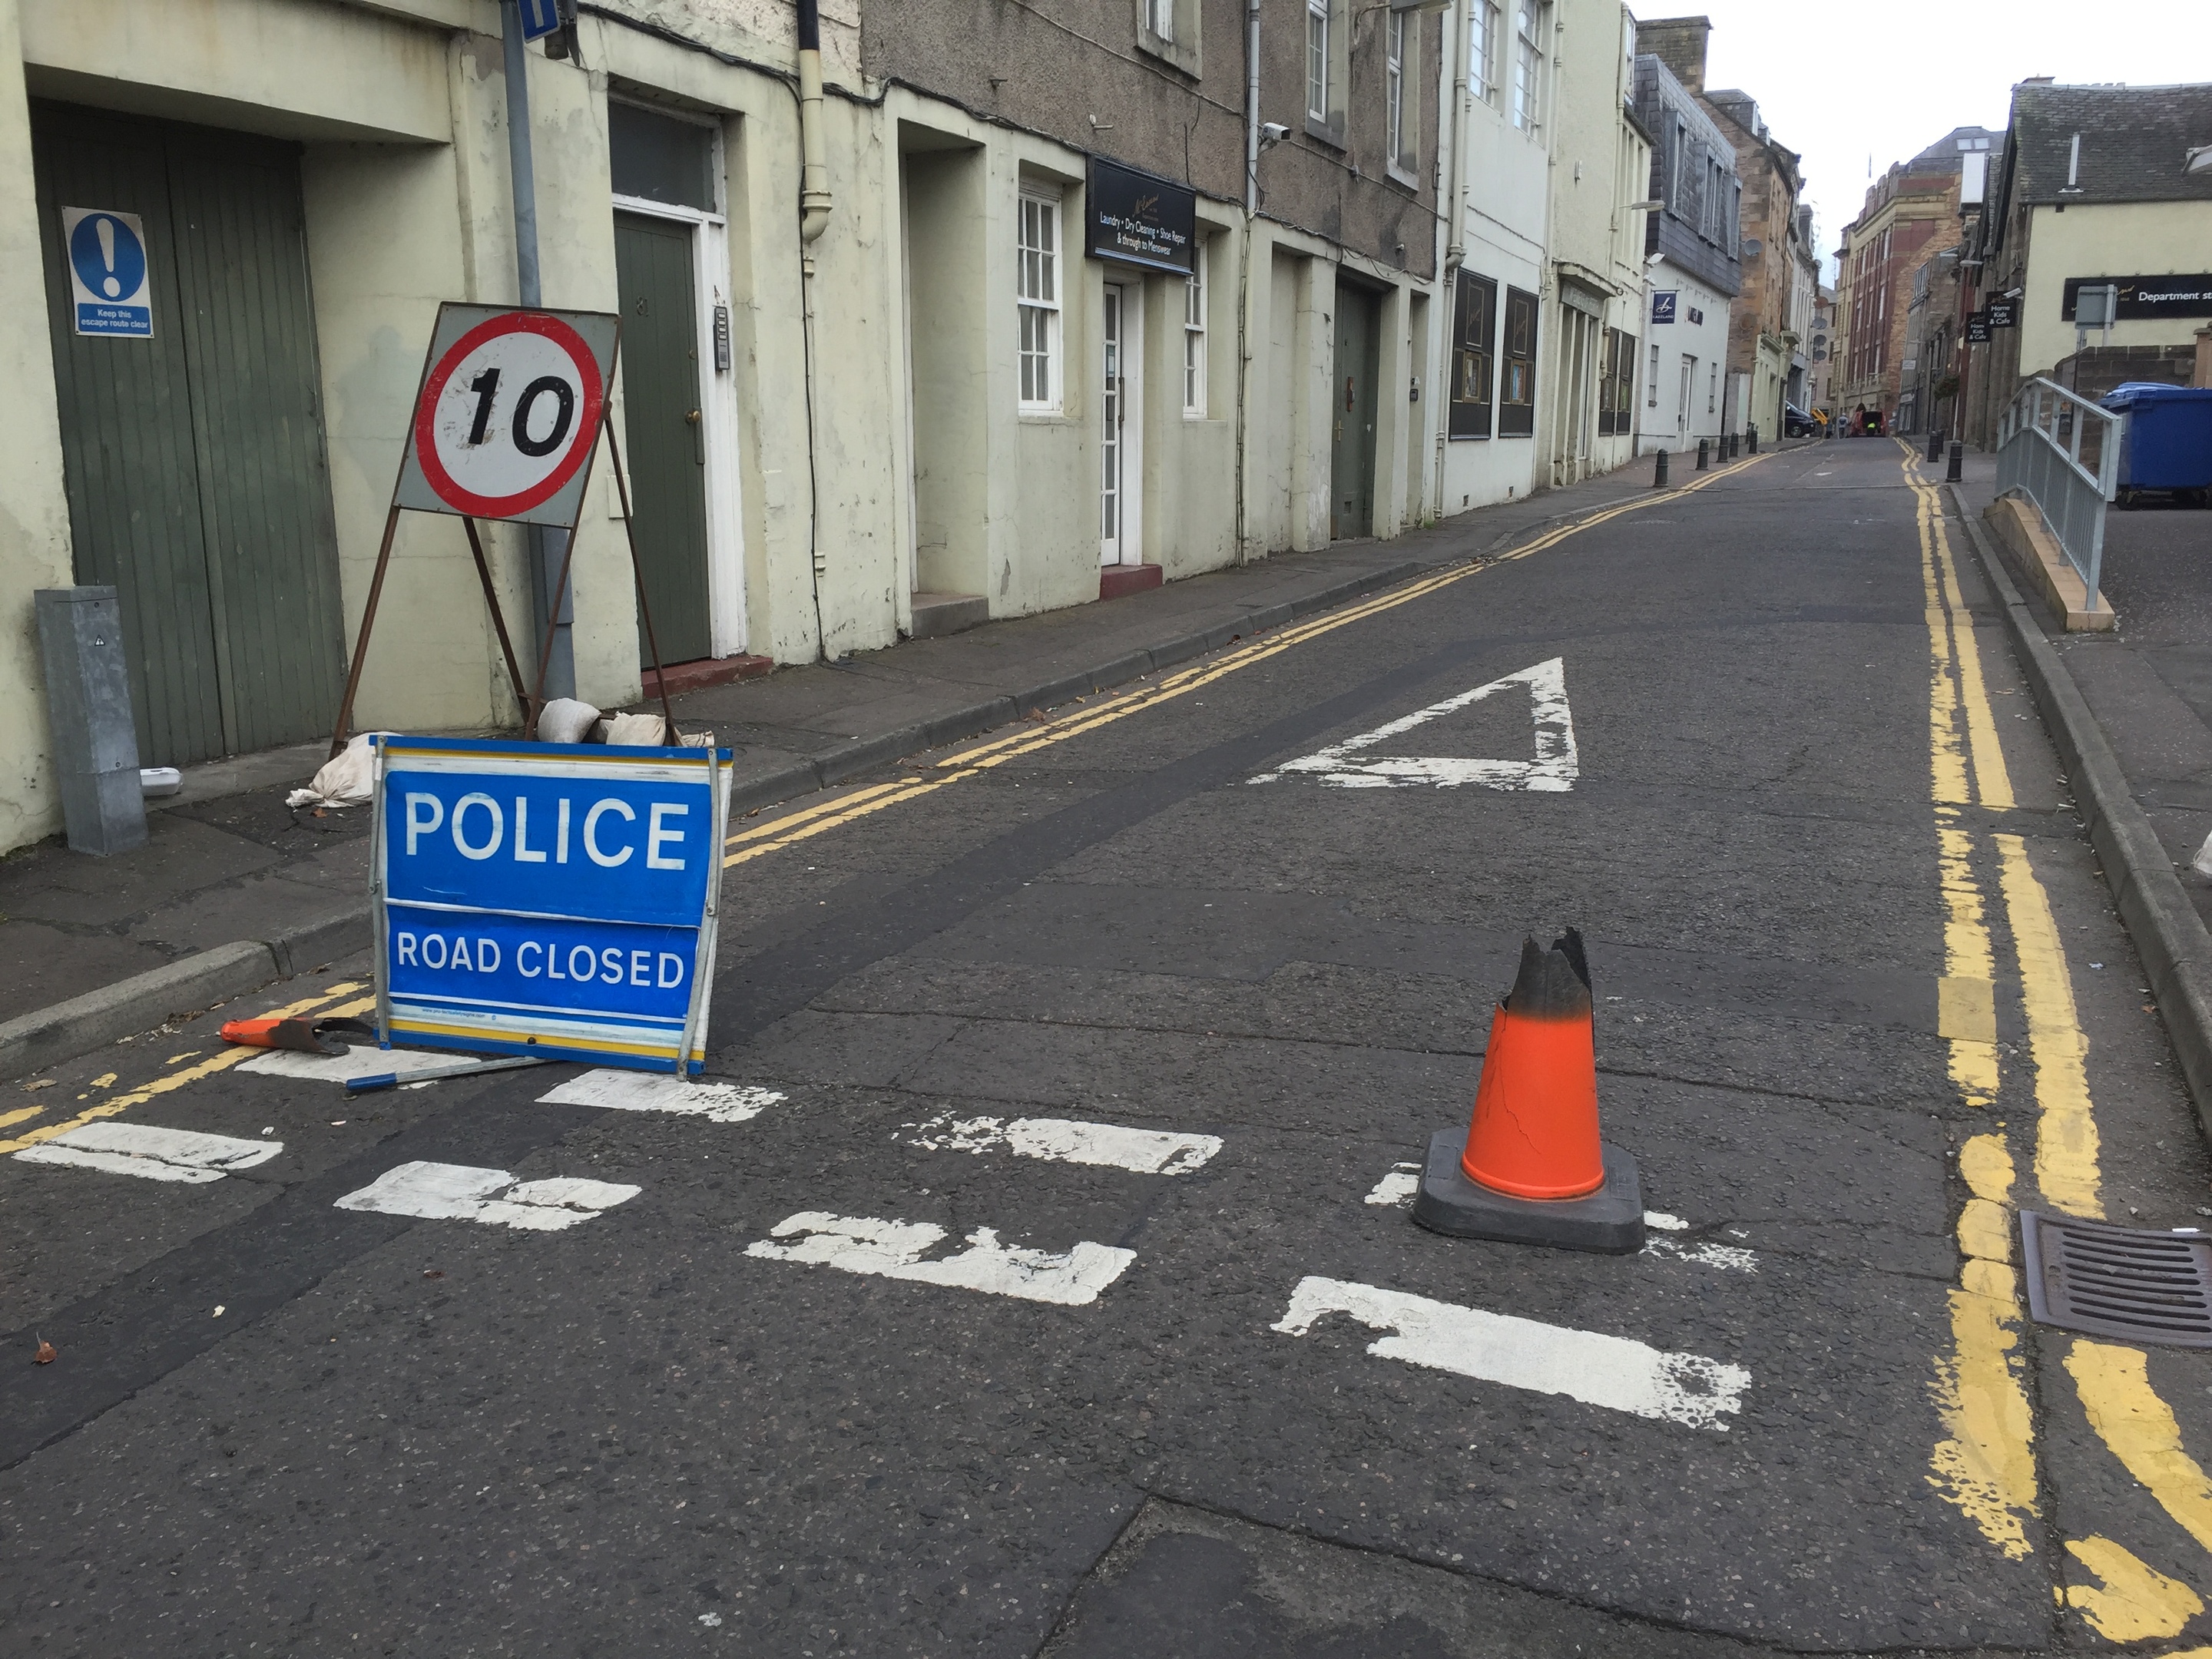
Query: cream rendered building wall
{"x": 1502, "y": 223}
{"x": 34, "y": 529}
{"x": 1598, "y": 165}
{"x": 1658, "y": 424}
{"x": 2113, "y": 239}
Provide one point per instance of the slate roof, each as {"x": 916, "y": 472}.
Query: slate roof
{"x": 2133, "y": 139}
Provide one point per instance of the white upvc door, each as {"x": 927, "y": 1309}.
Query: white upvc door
{"x": 1121, "y": 438}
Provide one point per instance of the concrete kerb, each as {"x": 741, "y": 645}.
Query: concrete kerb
{"x": 2168, "y": 933}
{"x": 47, "y": 1037}
{"x": 64, "y": 1031}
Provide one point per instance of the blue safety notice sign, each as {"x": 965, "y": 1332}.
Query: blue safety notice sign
{"x": 550, "y": 899}
{"x": 109, "y": 278}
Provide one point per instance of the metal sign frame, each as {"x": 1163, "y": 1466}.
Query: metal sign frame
{"x": 530, "y": 1019}
{"x": 458, "y": 323}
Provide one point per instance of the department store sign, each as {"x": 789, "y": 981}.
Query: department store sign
{"x": 2143, "y": 297}
{"x": 1135, "y": 219}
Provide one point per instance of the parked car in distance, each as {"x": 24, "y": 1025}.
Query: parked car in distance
{"x": 1795, "y": 422}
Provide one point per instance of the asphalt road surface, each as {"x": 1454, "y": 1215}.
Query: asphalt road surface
{"x": 1036, "y": 1275}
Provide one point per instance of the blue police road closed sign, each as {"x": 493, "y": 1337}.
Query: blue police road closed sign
{"x": 109, "y": 281}
{"x": 549, "y": 899}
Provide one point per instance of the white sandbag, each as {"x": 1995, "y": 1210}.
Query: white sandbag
{"x": 2202, "y": 863}
{"x": 635, "y": 730}
{"x": 347, "y": 779}
{"x": 564, "y": 719}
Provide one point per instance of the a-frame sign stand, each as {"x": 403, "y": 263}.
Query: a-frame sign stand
{"x": 507, "y": 417}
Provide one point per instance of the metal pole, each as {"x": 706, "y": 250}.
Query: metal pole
{"x": 550, "y": 609}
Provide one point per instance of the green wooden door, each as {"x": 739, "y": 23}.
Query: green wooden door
{"x": 1351, "y": 460}
{"x": 193, "y": 462}
{"x": 663, "y": 439}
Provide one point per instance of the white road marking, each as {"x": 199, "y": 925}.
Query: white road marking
{"x": 1554, "y": 768}
{"x": 1065, "y": 1140}
{"x": 458, "y": 1192}
{"x": 1598, "y": 1369}
{"x": 893, "y": 1249}
{"x": 1731, "y": 1256}
{"x": 1661, "y": 1219}
{"x": 1399, "y": 1185}
{"x": 365, "y": 1061}
{"x": 658, "y": 1091}
{"x": 150, "y": 1152}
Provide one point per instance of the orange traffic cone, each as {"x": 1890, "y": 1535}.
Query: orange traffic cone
{"x": 1531, "y": 1168}
{"x": 307, "y": 1036}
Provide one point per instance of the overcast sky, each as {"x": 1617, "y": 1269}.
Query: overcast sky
{"x": 1839, "y": 82}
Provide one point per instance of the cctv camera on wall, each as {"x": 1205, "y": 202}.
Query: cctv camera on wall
{"x": 1273, "y": 133}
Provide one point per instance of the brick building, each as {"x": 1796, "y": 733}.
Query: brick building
{"x": 1911, "y": 217}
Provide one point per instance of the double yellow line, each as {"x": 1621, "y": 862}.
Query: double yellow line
{"x": 1986, "y": 1466}
{"x": 796, "y": 827}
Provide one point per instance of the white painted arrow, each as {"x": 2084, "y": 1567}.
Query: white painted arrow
{"x": 1553, "y": 770}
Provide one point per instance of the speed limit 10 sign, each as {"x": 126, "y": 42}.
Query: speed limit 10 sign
{"x": 509, "y": 413}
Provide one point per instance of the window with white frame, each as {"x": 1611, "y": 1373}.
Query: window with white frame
{"x": 1159, "y": 18}
{"x": 1394, "y": 74}
{"x": 1651, "y": 382}
{"x": 1036, "y": 290}
{"x": 1194, "y": 338}
{"x": 1528, "y": 62}
{"x": 1317, "y": 65}
{"x": 1482, "y": 50}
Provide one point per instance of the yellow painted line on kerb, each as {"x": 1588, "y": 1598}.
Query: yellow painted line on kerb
{"x": 970, "y": 763}
{"x": 115, "y": 1105}
{"x": 1986, "y": 1467}
{"x": 1986, "y": 1464}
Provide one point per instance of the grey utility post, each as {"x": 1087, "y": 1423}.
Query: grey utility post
{"x": 546, "y": 545}
{"x": 88, "y": 705}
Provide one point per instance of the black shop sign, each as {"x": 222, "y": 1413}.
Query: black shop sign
{"x": 1134, "y": 219}
{"x": 1977, "y": 328}
{"x": 2002, "y": 313}
{"x": 2147, "y": 297}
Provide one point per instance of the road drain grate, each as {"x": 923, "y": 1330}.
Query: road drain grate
{"x": 2119, "y": 1281}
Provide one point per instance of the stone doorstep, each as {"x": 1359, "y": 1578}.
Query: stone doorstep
{"x": 936, "y": 614}
{"x": 681, "y": 677}
{"x": 2034, "y": 553}
{"x": 1118, "y": 581}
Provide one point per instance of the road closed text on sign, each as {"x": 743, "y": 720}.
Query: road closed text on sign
{"x": 509, "y": 413}
{"x": 549, "y": 899}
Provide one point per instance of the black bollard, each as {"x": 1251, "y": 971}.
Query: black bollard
{"x": 1705, "y": 454}
{"x": 1659, "y": 473}
{"x": 1958, "y": 460}
{"x": 1750, "y": 441}
{"x": 1934, "y": 444}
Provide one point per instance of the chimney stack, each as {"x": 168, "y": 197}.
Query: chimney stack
{"x": 1679, "y": 43}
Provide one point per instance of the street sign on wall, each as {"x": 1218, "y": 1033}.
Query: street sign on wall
{"x": 1977, "y": 328}
{"x": 508, "y": 414}
{"x": 539, "y": 18}
{"x": 1135, "y": 219}
{"x": 2144, "y": 297}
{"x": 554, "y": 900}
{"x": 2002, "y": 313}
{"x": 109, "y": 279}
{"x": 1662, "y": 305}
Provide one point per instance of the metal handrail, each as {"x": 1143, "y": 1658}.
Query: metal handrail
{"x": 2040, "y": 439}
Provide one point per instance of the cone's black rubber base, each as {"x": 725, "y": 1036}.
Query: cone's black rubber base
{"x": 1609, "y": 1220}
